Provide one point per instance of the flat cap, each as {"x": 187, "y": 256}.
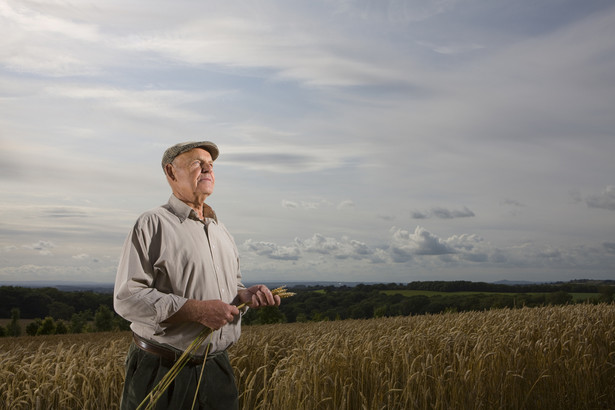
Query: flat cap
{"x": 175, "y": 150}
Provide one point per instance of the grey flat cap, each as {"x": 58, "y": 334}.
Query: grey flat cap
{"x": 175, "y": 150}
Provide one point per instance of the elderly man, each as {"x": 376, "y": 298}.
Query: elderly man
{"x": 179, "y": 271}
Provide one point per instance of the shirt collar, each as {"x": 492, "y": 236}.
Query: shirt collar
{"x": 184, "y": 211}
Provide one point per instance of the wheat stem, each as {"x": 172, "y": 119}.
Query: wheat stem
{"x": 168, "y": 378}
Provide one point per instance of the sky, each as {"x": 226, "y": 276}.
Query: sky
{"x": 362, "y": 141}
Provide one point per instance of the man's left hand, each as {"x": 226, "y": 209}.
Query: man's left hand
{"x": 259, "y": 296}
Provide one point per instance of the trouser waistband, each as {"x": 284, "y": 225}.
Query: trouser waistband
{"x": 167, "y": 352}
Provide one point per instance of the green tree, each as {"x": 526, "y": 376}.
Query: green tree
{"x": 61, "y": 328}
{"x": 269, "y": 315}
{"x": 36, "y": 304}
{"x": 79, "y": 320}
{"x": 3, "y": 331}
{"x": 120, "y": 323}
{"x": 60, "y": 310}
{"x": 13, "y": 328}
{"x": 47, "y": 327}
{"x": 103, "y": 319}
{"x": 606, "y": 293}
{"x": 33, "y": 326}
{"x": 380, "y": 311}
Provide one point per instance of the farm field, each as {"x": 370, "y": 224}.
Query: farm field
{"x": 555, "y": 357}
{"x": 576, "y": 296}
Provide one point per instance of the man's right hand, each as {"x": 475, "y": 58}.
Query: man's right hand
{"x": 211, "y": 313}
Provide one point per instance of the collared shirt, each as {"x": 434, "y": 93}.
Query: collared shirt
{"x": 171, "y": 256}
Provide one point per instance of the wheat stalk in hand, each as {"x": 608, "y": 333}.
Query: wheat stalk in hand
{"x": 150, "y": 400}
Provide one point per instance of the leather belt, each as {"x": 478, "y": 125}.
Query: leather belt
{"x": 165, "y": 352}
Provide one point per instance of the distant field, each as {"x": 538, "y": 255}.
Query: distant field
{"x": 429, "y": 293}
{"x": 22, "y": 322}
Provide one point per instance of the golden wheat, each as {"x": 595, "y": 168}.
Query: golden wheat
{"x": 60, "y": 372}
{"x": 547, "y": 358}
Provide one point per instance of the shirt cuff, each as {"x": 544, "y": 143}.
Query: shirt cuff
{"x": 165, "y": 308}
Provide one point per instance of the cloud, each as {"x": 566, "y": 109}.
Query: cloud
{"x": 26, "y": 35}
{"x": 511, "y": 202}
{"x": 344, "y": 205}
{"x": 405, "y": 245}
{"x": 272, "y": 251}
{"x": 282, "y": 159}
{"x": 315, "y": 100}
{"x": 344, "y": 248}
{"x": 149, "y": 103}
{"x": 29, "y": 272}
{"x": 442, "y": 213}
{"x": 306, "y": 205}
{"x": 321, "y": 56}
{"x": 340, "y": 249}
{"x": 289, "y": 204}
{"x": 43, "y": 247}
{"x": 451, "y": 49}
{"x": 65, "y": 212}
{"x": 603, "y": 200}
{"x": 81, "y": 256}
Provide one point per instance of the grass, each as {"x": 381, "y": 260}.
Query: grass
{"x": 554, "y": 357}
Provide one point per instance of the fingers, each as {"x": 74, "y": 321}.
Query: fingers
{"x": 216, "y": 314}
{"x": 262, "y": 296}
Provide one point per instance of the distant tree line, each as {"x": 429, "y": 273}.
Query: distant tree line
{"x": 362, "y": 301}
{"x": 56, "y": 312}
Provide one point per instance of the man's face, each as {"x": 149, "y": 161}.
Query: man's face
{"x": 194, "y": 174}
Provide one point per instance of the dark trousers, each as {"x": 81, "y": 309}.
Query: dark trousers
{"x": 144, "y": 370}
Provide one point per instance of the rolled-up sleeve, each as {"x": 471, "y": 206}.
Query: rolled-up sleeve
{"x": 138, "y": 296}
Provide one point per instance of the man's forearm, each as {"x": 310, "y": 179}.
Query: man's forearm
{"x": 211, "y": 313}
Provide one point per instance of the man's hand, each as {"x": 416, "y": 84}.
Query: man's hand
{"x": 212, "y": 313}
{"x": 258, "y": 296}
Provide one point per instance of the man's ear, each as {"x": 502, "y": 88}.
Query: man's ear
{"x": 168, "y": 169}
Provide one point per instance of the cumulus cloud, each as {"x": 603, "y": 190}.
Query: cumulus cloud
{"x": 344, "y": 248}
{"x": 420, "y": 248}
{"x": 604, "y": 200}
{"x": 340, "y": 249}
{"x": 406, "y": 244}
{"x": 289, "y": 204}
{"x": 443, "y": 213}
{"x": 271, "y": 250}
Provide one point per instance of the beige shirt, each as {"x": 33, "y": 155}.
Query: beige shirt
{"x": 171, "y": 256}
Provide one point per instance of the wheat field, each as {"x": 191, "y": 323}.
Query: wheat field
{"x": 540, "y": 358}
